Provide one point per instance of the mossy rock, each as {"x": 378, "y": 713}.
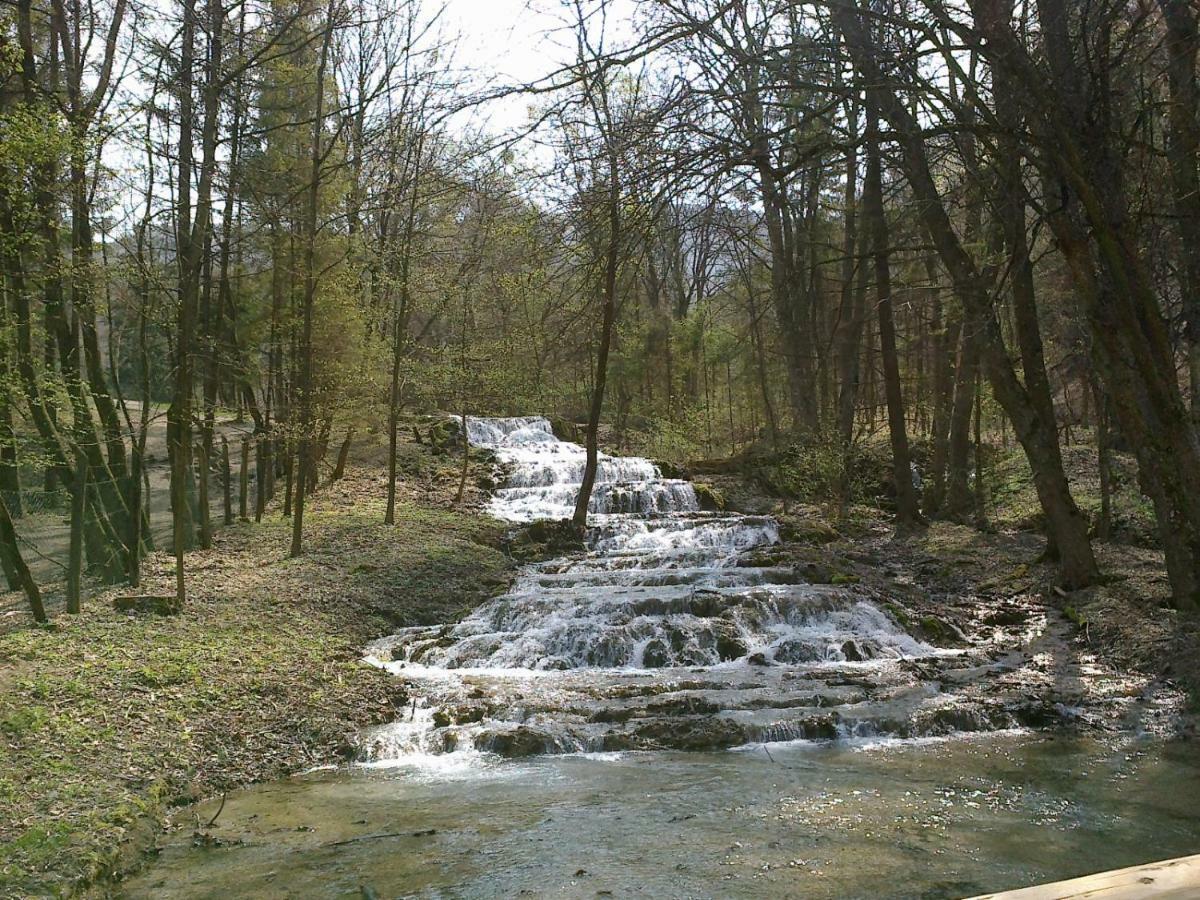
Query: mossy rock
{"x": 445, "y": 434}
{"x": 709, "y": 497}
{"x": 938, "y": 631}
{"x": 564, "y": 429}
{"x": 806, "y": 530}
{"x": 900, "y": 614}
{"x": 545, "y": 539}
{"x": 672, "y": 470}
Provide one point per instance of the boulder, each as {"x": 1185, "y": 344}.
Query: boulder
{"x": 520, "y": 741}
{"x": 709, "y": 497}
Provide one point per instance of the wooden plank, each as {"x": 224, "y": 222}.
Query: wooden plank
{"x": 1171, "y": 879}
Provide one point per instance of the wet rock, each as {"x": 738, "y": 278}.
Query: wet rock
{"x": 491, "y": 479}
{"x": 793, "y": 652}
{"x": 684, "y": 706}
{"x": 822, "y": 728}
{"x": 940, "y": 632}
{"x": 816, "y": 573}
{"x": 519, "y": 742}
{"x": 762, "y": 559}
{"x": 758, "y": 659}
{"x": 610, "y": 715}
{"x": 701, "y": 733}
{"x": 853, "y": 652}
{"x": 656, "y": 655}
{"x": 546, "y": 538}
{"x": 730, "y": 647}
{"x": 961, "y": 718}
{"x": 1008, "y": 616}
{"x": 707, "y": 604}
{"x": 564, "y": 429}
{"x": 1033, "y": 712}
{"x": 462, "y": 714}
{"x": 671, "y": 470}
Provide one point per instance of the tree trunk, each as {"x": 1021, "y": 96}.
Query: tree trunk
{"x": 1068, "y": 531}
{"x": 75, "y": 551}
{"x": 226, "y": 482}
{"x": 339, "y": 470}
{"x": 1035, "y": 434}
{"x": 262, "y": 460}
{"x": 304, "y": 462}
{"x": 907, "y": 511}
{"x": 244, "y": 483}
{"x": 611, "y": 264}
{"x": 204, "y": 503}
{"x": 10, "y": 554}
{"x": 1183, "y": 151}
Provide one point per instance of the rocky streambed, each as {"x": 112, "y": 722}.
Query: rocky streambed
{"x": 674, "y": 628}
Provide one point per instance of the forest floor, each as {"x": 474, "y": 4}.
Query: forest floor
{"x": 107, "y": 720}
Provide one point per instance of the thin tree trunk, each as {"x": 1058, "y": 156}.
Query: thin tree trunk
{"x": 1103, "y": 464}
{"x": 907, "y": 509}
{"x": 226, "y": 482}
{"x": 75, "y": 550}
{"x": 306, "y": 387}
{"x": 244, "y": 483}
{"x": 262, "y": 460}
{"x": 339, "y": 470}
{"x": 10, "y": 553}
{"x": 611, "y": 263}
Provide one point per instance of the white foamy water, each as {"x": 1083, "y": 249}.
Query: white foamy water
{"x": 663, "y": 625}
{"x": 546, "y": 474}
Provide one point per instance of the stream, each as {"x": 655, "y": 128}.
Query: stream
{"x": 676, "y": 711}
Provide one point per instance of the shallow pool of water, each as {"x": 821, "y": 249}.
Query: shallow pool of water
{"x": 923, "y": 819}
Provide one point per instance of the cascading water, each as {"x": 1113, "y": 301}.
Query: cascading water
{"x": 663, "y": 634}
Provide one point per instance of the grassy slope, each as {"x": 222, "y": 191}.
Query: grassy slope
{"x": 106, "y": 719}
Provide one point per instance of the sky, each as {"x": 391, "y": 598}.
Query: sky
{"x": 517, "y": 42}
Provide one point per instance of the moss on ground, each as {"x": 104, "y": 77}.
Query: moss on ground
{"x": 107, "y": 718}
{"x": 1013, "y": 501}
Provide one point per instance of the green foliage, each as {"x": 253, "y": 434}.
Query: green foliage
{"x": 802, "y": 471}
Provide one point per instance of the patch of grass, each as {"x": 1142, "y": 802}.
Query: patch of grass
{"x": 1013, "y": 502}
{"x": 108, "y": 718}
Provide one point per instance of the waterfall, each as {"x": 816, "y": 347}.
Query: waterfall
{"x": 661, "y": 628}
{"x": 547, "y": 473}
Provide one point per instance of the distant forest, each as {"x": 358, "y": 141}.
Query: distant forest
{"x": 742, "y": 226}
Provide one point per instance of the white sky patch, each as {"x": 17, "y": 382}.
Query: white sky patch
{"x": 519, "y": 42}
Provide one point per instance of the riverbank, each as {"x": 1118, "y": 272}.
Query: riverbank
{"x": 981, "y": 578}
{"x": 109, "y": 720}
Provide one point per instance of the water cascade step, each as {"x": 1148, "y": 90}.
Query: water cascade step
{"x": 665, "y": 633}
